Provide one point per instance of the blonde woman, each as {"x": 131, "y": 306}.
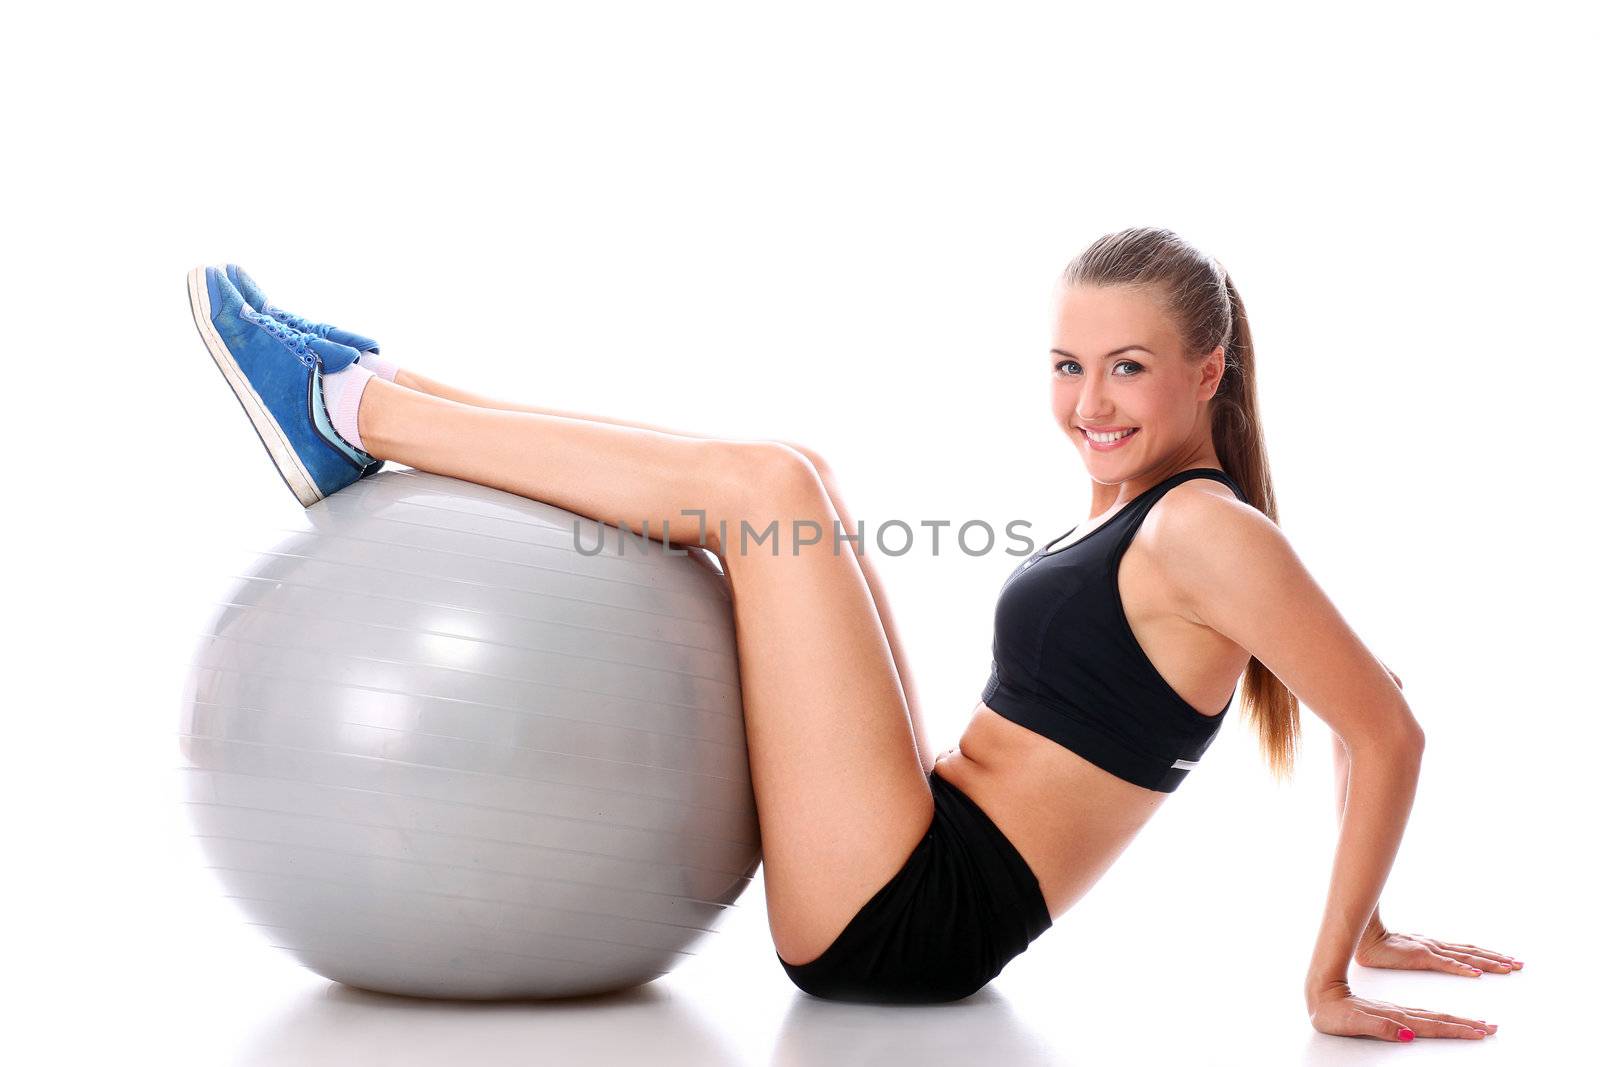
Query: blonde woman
{"x": 893, "y": 874}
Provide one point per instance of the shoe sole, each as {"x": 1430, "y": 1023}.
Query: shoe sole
{"x": 282, "y": 453}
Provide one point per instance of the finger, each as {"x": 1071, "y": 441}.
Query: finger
{"x": 1479, "y": 958}
{"x": 1485, "y": 953}
{"x": 1453, "y": 964}
{"x": 1476, "y": 948}
{"x": 1426, "y": 1027}
{"x": 1443, "y": 1017}
{"x": 1365, "y": 1022}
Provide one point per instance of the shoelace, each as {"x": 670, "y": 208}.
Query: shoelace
{"x": 294, "y": 339}
{"x": 300, "y": 322}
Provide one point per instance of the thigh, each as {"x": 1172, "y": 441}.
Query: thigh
{"x": 840, "y": 791}
{"x": 880, "y": 600}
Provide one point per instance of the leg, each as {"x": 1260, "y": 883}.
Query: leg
{"x": 880, "y": 599}
{"x": 841, "y": 795}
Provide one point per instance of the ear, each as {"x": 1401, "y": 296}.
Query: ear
{"x": 1211, "y": 373}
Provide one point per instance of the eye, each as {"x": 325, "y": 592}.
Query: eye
{"x": 1133, "y": 368}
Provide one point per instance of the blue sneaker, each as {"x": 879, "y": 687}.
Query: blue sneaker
{"x": 276, "y": 373}
{"x": 258, "y": 302}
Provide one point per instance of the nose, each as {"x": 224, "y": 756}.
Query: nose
{"x": 1091, "y": 406}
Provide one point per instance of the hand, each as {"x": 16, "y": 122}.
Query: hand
{"x": 1336, "y": 1010}
{"x": 1408, "y": 952}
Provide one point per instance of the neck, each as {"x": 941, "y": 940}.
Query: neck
{"x": 1106, "y": 496}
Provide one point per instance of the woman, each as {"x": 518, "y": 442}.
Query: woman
{"x": 892, "y": 875}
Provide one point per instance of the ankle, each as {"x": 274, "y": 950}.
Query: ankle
{"x": 342, "y": 393}
{"x": 366, "y": 419}
{"x": 379, "y": 366}
{"x": 383, "y": 412}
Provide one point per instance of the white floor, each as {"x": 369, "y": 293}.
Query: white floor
{"x": 153, "y": 963}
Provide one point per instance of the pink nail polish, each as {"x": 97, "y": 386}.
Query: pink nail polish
{"x": 1477, "y": 970}
{"x": 1485, "y": 1033}
{"x": 1406, "y": 1033}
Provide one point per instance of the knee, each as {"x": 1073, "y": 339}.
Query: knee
{"x": 769, "y": 467}
{"x": 811, "y": 455}
{"x": 751, "y": 472}
{"x": 770, "y": 487}
{"x": 759, "y": 476}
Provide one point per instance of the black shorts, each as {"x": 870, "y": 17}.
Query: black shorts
{"x": 963, "y": 906}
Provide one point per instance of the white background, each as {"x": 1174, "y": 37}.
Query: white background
{"x": 837, "y": 224}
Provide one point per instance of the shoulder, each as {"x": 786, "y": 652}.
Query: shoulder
{"x": 1231, "y": 569}
{"x": 1201, "y": 507}
{"x": 1215, "y": 550}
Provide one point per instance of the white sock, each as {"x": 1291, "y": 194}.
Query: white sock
{"x": 379, "y": 366}
{"x": 341, "y": 393}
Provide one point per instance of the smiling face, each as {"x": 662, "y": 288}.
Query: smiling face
{"x": 1135, "y": 408}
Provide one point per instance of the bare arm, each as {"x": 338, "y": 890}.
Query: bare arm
{"x": 1235, "y": 572}
{"x": 1341, "y": 789}
{"x": 1382, "y": 777}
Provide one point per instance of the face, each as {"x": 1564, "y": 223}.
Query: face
{"x": 1117, "y": 364}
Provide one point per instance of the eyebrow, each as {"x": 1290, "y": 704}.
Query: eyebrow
{"x": 1118, "y": 352}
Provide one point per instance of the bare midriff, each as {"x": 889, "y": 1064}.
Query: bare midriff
{"x": 1023, "y": 780}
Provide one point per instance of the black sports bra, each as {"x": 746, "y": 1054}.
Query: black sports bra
{"x": 1067, "y": 665}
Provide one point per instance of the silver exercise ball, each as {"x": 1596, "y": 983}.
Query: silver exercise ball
{"x": 433, "y": 748}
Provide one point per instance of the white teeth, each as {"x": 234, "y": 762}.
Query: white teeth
{"x": 1106, "y": 438}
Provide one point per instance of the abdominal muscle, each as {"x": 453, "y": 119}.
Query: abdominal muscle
{"x": 1068, "y": 818}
